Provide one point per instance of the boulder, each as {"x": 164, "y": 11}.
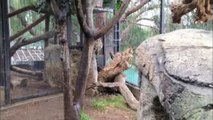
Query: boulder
{"x": 53, "y": 72}
{"x": 176, "y": 81}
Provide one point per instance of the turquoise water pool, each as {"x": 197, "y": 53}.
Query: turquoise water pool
{"x": 132, "y": 75}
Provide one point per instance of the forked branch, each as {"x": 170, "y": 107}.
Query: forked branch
{"x": 115, "y": 19}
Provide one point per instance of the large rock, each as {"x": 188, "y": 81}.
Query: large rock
{"x": 53, "y": 71}
{"x": 176, "y": 76}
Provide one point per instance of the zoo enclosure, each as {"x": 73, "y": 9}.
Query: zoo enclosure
{"x": 31, "y": 56}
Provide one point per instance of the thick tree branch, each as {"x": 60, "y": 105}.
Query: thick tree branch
{"x": 115, "y": 19}
{"x": 56, "y": 10}
{"x": 81, "y": 19}
{"x": 23, "y": 21}
{"x": 13, "y": 37}
{"x": 30, "y": 7}
{"x": 180, "y": 10}
{"x": 22, "y": 42}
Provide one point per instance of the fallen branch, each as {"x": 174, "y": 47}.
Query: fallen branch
{"x": 123, "y": 89}
{"x": 119, "y": 63}
{"x": 111, "y": 76}
{"x": 25, "y": 71}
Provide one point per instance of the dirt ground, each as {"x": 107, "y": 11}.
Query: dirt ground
{"x": 51, "y": 108}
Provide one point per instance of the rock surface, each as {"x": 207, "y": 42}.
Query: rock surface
{"x": 53, "y": 72}
{"x": 176, "y": 72}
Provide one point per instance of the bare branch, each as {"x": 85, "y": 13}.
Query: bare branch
{"x": 23, "y": 21}
{"x": 136, "y": 8}
{"x": 13, "y": 37}
{"x": 81, "y": 19}
{"x": 115, "y": 19}
{"x": 25, "y": 71}
{"x": 30, "y": 7}
{"x": 22, "y": 42}
{"x": 55, "y": 8}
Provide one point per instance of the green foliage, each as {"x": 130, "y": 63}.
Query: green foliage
{"x": 109, "y": 3}
{"x": 114, "y": 101}
{"x": 135, "y": 37}
{"x": 21, "y": 3}
{"x": 118, "y": 4}
{"x": 106, "y": 3}
{"x": 84, "y": 116}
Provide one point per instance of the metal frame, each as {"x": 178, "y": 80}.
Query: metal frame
{"x": 116, "y": 34}
{"x": 162, "y": 17}
{"x": 4, "y": 50}
{"x": 5, "y": 58}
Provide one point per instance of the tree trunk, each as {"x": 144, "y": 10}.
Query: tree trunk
{"x": 83, "y": 72}
{"x": 92, "y": 77}
{"x": 93, "y": 72}
{"x": 69, "y": 113}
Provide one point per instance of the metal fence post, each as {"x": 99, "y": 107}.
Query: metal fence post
{"x": 162, "y": 17}
{"x": 4, "y": 50}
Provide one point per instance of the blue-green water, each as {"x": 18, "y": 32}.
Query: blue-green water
{"x": 132, "y": 75}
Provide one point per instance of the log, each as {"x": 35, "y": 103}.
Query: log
{"x": 120, "y": 82}
{"x": 25, "y": 71}
{"x": 119, "y": 63}
{"x": 126, "y": 93}
{"x": 111, "y": 76}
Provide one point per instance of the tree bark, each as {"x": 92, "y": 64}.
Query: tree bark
{"x": 126, "y": 93}
{"x": 119, "y": 63}
{"x": 30, "y": 7}
{"x": 134, "y": 9}
{"x": 93, "y": 72}
{"x": 83, "y": 72}
{"x": 69, "y": 112}
{"x": 111, "y": 76}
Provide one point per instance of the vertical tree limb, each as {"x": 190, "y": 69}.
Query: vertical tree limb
{"x": 81, "y": 19}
